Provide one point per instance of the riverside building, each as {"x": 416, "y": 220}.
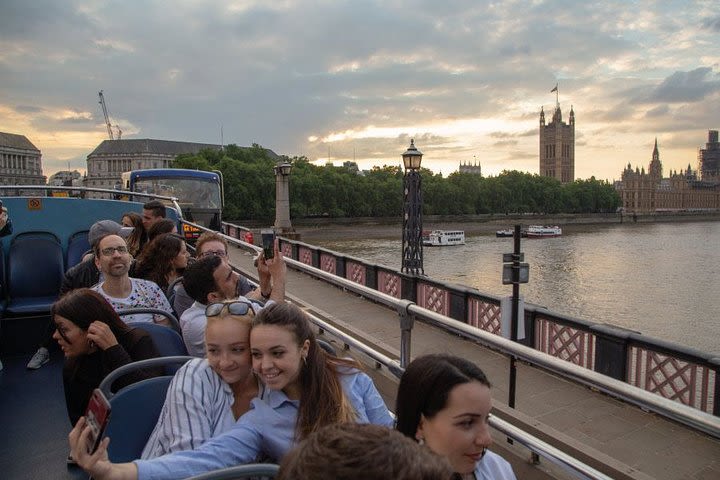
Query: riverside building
{"x": 649, "y": 192}
{"x": 557, "y": 146}
{"x": 20, "y": 161}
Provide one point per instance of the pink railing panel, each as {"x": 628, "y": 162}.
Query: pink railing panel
{"x": 355, "y": 272}
{"x": 305, "y": 255}
{"x": 389, "y": 283}
{"x": 286, "y": 249}
{"x": 433, "y": 298}
{"x": 328, "y": 263}
{"x": 675, "y": 379}
{"x": 484, "y": 315}
{"x": 567, "y": 343}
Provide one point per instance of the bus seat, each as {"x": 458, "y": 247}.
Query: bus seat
{"x": 168, "y": 342}
{"x": 250, "y": 470}
{"x": 135, "y": 408}
{"x": 35, "y": 271}
{"x": 77, "y": 246}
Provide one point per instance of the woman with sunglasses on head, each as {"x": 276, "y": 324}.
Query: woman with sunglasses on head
{"x": 444, "y": 402}
{"x": 207, "y": 396}
{"x": 95, "y": 342}
{"x": 305, "y": 389}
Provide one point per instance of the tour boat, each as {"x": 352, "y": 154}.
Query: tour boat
{"x": 508, "y": 232}
{"x": 438, "y": 238}
{"x": 542, "y": 231}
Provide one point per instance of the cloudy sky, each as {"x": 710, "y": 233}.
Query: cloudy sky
{"x": 357, "y": 79}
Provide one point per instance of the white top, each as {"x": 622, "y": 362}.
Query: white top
{"x": 198, "y": 406}
{"x": 193, "y": 322}
{"x": 144, "y": 294}
{"x": 493, "y": 467}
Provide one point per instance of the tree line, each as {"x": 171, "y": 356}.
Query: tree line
{"x": 345, "y": 192}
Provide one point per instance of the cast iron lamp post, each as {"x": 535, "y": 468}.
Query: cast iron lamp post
{"x": 412, "y": 262}
{"x": 282, "y": 198}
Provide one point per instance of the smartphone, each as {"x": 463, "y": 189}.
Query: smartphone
{"x": 268, "y": 242}
{"x": 97, "y": 416}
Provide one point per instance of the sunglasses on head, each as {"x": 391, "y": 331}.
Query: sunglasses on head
{"x": 238, "y": 307}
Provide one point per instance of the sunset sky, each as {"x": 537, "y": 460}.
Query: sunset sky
{"x": 357, "y": 79}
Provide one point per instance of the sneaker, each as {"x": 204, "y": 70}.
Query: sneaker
{"x": 41, "y": 357}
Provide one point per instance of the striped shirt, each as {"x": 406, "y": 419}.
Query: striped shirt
{"x": 198, "y": 406}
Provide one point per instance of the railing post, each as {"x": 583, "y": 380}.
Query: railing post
{"x": 315, "y": 256}
{"x": 340, "y": 266}
{"x": 406, "y": 325}
{"x": 611, "y": 351}
{"x": 371, "y": 276}
{"x": 715, "y": 362}
{"x": 408, "y": 289}
{"x": 295, "y": 251}
{"x": 458, "y": 303}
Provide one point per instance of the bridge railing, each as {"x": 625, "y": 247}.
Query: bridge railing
{"x": 681, "y": 374}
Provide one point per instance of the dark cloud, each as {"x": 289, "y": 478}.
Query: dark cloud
{"x": 691, "y": 86}
{"x": 712, "y": 23}
{"x": 659, "y": 111}
{"x": 28, "y": 109}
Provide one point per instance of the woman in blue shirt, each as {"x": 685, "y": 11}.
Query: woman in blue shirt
{"x": 444, "y": 402}
{"x": 306, "y": 389}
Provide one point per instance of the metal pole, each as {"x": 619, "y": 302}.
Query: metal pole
{"x": 412, "y": 262}
{"x": 406, "y": 326}
{"x": 515, "y": 308}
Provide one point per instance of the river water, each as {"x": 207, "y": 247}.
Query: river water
{"x": 661, "y": 279}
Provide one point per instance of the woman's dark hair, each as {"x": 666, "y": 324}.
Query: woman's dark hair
{"x": 425, "y": 387}
{"x": 155, "y": 261}
{"x": 159, "y": 228}
{"x": 136, "y": 240}
{"x": 322, "y": 400}
{"x": 84, "y": 306}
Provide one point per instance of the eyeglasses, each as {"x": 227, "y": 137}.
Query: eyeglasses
{"x": 238, "y": 307}
{"x": 215, "y": 253}
{"x": 108, "y": 251}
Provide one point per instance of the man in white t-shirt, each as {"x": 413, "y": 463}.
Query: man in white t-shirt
{"x": 113, "y": 260}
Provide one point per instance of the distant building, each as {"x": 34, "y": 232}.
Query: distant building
{"x": 20, "y": 161}
{"x": 709, "y": 157}
{"x": 643, "y": 192}
{"x": 111, "y": 158}
{"x": 475, "y": 168}
{"x": 65, "y": 178}
{"x": 557, "y": 146}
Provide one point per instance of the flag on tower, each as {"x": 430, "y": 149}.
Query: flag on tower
{"x": 554, "y": 89}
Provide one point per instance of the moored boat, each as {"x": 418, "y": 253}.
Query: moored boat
{"x": 543, "y": 231}
{"x": 439, "y": 238}
{"x": 508, "y": 232}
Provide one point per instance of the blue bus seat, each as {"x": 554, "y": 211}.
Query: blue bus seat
{"x": 135, "y": 408}
{"x": 35, "y": 273}
{"x": 250, "y": 470}
{"x": 77, "y": 246}
{"x": 167, "y": 341}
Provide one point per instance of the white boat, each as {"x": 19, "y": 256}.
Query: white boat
{"x": 542, "y": 231}
{"x": 439, "y": 238}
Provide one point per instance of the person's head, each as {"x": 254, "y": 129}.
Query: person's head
{"x": 227, "y": 340}
{"x": 210, "y": 280}
{"x": 153, "y": 211}
{"x": 354, "y": 451}
{"x": 112, "y": 257}
{"x": 211, "y": 243}
{"x": 103, "y": 228}
{"x": 287, "y": 357}
{"x": 73, "y": 314}
{"x": 444, "y": 401}
{"x": 132, "y": 220}
{"x": 161, "y": 227}
{"x": 164, "y": 255}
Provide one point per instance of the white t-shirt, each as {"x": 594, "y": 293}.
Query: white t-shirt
{"x": 144, "y": 294}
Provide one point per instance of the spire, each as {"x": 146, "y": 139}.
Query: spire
{"x": 655, "y": 169}
{"x": 572, "y": 116}
{"x": 542, "y": 116}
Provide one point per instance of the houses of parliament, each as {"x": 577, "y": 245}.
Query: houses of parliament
{"x": 685, "y": 190}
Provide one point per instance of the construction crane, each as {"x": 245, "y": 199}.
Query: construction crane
{"x": 107, "y": 118}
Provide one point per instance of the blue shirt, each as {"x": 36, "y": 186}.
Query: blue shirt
{"x": 267, "y": 429}
{"x": 493, "y": 467}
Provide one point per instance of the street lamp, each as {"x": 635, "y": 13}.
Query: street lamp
{"x": 282, "y": 198}
{"x": 412, "y": 262}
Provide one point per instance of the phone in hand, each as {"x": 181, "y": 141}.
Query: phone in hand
{"x": 97, "y": 417}
{"x": 268, "y": 242}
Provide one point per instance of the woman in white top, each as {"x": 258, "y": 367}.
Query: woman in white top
{"x": 207, "y": 396}
{"x": 444, "y": 402}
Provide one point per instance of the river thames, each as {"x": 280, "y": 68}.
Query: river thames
{"x": 660, "y": 279}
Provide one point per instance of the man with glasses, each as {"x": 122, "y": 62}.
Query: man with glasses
{"x": 214, "y": 244}
{"x": 113, "y": 260}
